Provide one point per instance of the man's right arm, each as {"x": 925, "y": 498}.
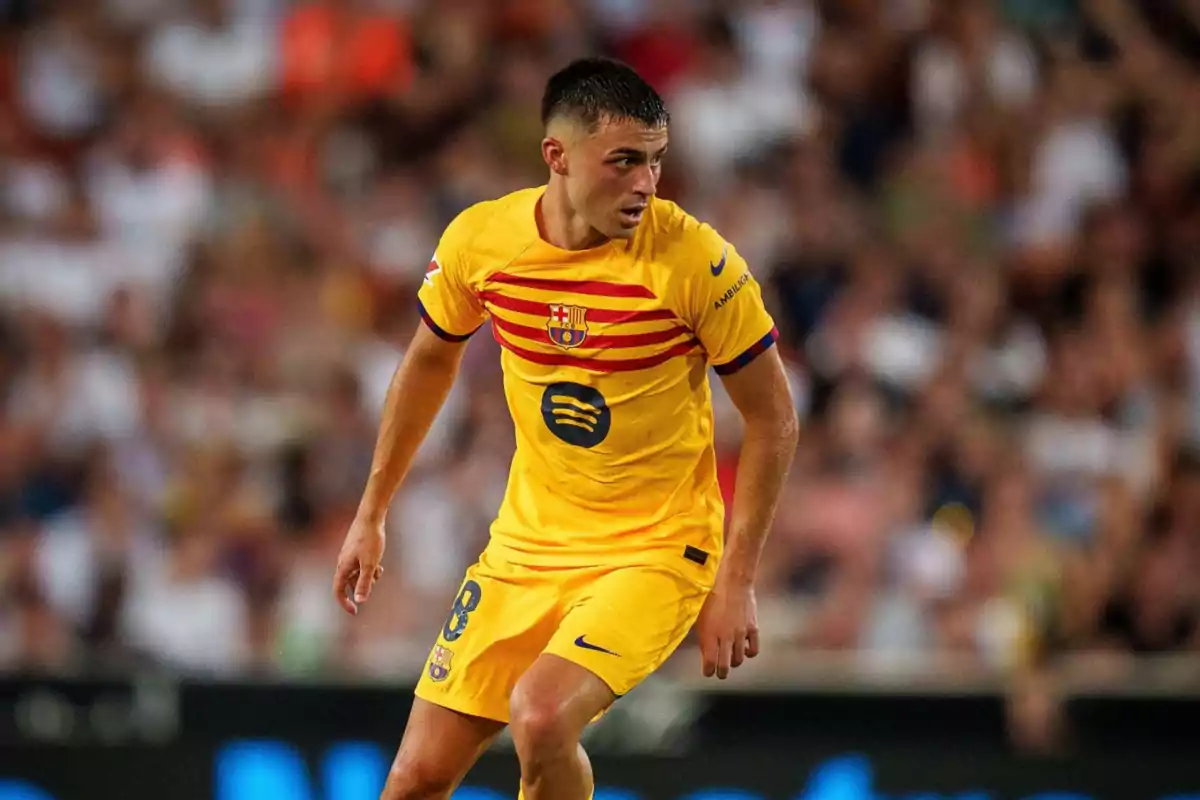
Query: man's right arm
{"x": 414, "y": 398}
{"x": 450, "y": 313}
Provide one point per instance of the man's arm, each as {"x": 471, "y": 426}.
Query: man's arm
{"x": 723, "y": 304}
{"x": 728, "y": 625}
{"x": 416, "y": 394}
{"x": 414, "y": 398}
{"x": 761, "y": 393}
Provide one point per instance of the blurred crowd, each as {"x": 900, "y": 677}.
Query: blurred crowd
{"x": 976, "y": 222}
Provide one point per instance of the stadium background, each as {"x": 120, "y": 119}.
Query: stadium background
{"x": 977, "y": 224}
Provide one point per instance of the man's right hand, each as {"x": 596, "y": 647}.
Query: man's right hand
{"x": 358, "y": 565}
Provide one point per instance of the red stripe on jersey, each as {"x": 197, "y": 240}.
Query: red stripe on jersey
{"x": 600, "y": 288}
{"x": 612, "y": 315}
{"x": 594, "y": 364}
{"x": 601, "y": 340}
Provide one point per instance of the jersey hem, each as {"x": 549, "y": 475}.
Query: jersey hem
{"x": 669, "y": 556}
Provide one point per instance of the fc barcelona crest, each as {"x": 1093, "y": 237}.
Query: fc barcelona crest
{"x": 439, "y": 663}
{"x": 567, "y": 325}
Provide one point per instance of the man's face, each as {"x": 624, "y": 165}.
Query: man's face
{"x": 612, "y": 172}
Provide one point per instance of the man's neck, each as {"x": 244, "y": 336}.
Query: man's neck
{"x": 559, "y": 225}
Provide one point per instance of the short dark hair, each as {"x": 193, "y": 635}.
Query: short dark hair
{"x": 591, "y": 89}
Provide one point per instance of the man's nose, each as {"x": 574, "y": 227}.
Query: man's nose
{"x": 645, "y": 182}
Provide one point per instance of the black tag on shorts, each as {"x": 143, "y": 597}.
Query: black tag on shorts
{"x": 695, "y": 554}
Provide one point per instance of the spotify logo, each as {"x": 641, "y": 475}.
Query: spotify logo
{"x": 576, "y": 414}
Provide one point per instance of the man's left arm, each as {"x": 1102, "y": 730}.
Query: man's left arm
{"x": 762, "y": 395}
{"x": 732, "y": 323}
{"x": 728, "y": 625}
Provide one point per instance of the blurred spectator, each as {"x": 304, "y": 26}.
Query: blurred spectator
{"x": 210, "y": 59}
{"x": 61, "y": 78}
{"x": 181, "y": 614}
{"x": 724, "y": 113}
{"x": 968, "y": 54}
{"x": 1155, "y": 610}
{"x": 335, "y": 50}
{"x": 87, "y": 558}
{"x": 71, "y": 397}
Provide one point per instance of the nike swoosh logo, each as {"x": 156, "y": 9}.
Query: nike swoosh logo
{"x": 586, "y": 645}
{"x": 719, "y": 267}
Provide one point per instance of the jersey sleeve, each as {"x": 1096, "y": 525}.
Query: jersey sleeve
{"x": 725, "y": 305}
{"x": 446, "y": 299}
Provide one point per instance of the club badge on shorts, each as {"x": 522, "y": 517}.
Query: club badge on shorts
{"x": 439, "y": 663}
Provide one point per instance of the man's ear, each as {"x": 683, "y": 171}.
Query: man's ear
{"x": 554, "y": 153}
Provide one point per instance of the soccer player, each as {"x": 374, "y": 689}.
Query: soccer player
{"x": 610, "y": 305}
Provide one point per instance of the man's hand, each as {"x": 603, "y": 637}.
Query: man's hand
{"x": 358, "y": 565}
{"x": 728, "y": 627}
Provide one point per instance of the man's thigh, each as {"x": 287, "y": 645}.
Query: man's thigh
{"x": 501, "y": 620}
{"x": 623, "y": 624}
{"x": 439, "y": 748}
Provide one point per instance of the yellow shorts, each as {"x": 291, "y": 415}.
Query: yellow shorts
{"x": 619, "y": 622}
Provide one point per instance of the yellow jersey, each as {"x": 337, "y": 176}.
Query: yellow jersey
{"x": 605, "y": 359}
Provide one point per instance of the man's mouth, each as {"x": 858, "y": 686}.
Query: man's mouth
{"x": 632, "y": 214}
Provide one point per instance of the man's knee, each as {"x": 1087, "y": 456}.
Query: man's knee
{"x": 551, "y": 705}
{"x": 540, "y": 727}
{"x": 412, "y": 780}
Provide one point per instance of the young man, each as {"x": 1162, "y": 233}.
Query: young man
{"x": 610, "y": 305}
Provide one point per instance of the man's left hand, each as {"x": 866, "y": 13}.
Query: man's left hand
{"x": 728, "y": 627}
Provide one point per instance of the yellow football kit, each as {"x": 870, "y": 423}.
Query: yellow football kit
{"x": 609, "y": 535}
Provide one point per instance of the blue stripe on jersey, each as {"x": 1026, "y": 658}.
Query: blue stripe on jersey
{"x": 439, "y": 330}
{"x": 751, "y": 353}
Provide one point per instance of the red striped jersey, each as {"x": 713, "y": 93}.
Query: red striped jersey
{"x": 606, "y": 355}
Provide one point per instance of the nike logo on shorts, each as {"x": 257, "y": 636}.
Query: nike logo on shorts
{"x": 586, "y": 645}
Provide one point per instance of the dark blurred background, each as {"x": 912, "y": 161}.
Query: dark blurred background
{"x": 977, "y": 223}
